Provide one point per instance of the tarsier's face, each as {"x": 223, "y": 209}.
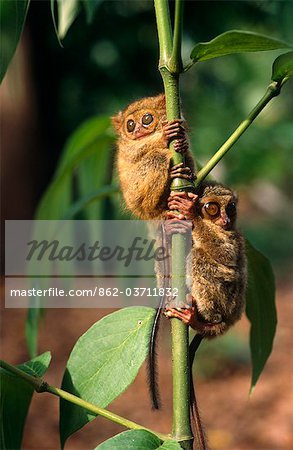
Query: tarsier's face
{"x": 221, "y": 210}
{"x": 140, "y": 123}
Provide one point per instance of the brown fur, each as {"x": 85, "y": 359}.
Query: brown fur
{"x": 144, "y": 164}
{"x": 218, "y": 264}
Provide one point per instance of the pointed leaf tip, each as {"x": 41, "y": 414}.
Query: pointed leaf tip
{"x": 283, "y": 67}
{"x": 260, "y": 310}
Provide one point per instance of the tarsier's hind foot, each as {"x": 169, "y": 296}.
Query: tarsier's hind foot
{"x": 187, "y": 315}
{"x": 206, "y": 326}
{"x": 174, "y": 130}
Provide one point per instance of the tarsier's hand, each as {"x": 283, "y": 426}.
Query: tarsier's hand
{"x": 174, "y": 130}
{"x": 184, "y": 202}
{"x": 176, "y": 224}
{"x": 179, "y": 171}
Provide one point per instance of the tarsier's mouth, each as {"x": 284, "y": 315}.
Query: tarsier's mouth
{"x": 141, "y": 133}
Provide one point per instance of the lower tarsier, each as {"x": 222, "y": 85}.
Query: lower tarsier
{"x": 216, "y": 294}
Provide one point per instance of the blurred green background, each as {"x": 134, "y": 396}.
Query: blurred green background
{"x": 50, "y": 91}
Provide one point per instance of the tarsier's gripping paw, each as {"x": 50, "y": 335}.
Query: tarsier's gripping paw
{"x": 174, "y": 130}
{"x": 176, "y": 224}
{"x": 187, "y": 315}
{"x": 179, "y": 171}
{"x": 184, "y": 202}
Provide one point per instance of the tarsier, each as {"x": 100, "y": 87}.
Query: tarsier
{"x": 144, "y": 159}
{"x": 218, "y": 259}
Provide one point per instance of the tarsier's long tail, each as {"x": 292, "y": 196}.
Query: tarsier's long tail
{"x": 152, "y": 358}
{"x": 197, "y": 428}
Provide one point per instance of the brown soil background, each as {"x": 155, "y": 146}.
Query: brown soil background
{"x": 232, "y": 420}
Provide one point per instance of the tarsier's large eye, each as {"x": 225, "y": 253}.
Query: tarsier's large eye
{"x": 147, "y": 119}
{"x": 212, "y": 208}
{"x": 231, "y": 209}
{"x": 130, "y": 125}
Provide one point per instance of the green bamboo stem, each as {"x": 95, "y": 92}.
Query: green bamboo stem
{"x": 40, "y": 385}
{"x": 175, "y": 64}
{"x": 170, "y": 66}
{"x": 272, "y": 91}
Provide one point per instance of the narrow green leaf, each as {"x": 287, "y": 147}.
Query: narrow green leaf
{"x": 90, "y": 7}
{"x": 260, "y": 310}
{"x": 137, "y": 440}
{"x": 283, "y": 67}
{"x": 93, "y": 173}
{"x": 12, "y": 18}
{"x": 104, "y": 362}
{"x": 80, "y": 205}
{"x": 235, "y": 41}
{"x": 67, "y": 13}
{"x": 88, "y": 139}
{"x": 32, "y": 328}
{"x": 16, "y": 396}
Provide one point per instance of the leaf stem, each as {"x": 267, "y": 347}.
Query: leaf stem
{"x": 41, "y": 386}
{"x": 272, "y": 91}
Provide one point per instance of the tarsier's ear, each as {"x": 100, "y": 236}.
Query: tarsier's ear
{"x": 235, "y": 195}
{"x": 117, "y": 121}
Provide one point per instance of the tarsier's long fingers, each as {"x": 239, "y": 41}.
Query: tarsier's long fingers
{"x": 181, "y": 145}
{"x": 176, "y": 224}
{"x": 186, "y": 315}
{"x": 184, "y": 203}
{"x": 179, "y": 171}
{"x": 175, "y": 130}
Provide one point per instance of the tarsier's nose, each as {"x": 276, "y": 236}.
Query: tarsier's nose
{"x": 225, "y": 219}
{"x": 137, "y": 127}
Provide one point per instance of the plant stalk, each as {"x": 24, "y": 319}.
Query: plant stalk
{"x": 272, "y": 91}
{"x": 170, "y": 66}
{"x": 40, "y": 385}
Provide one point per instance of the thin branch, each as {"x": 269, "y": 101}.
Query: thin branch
{"x": 41, "y": 386}
{"x": 272, "y": 91}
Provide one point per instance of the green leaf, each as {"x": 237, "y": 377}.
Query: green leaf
{"x": 93, "y": 173}
{"x": 137, "y": 440}
{"x": 88, "y": 139}
{"x": 16, "y": 396}
{"x": 67, "y": 13}
{"x": 260, "y": 310}
{"x": 31, "y": 329}
{"x": 235, "y": 41}
{"x": 104, "y": 362}
{"x": 283, "y": 67}
{"x": 90, "y": 7}
{"x": 100, "y": 193}
{"x": 12, "y": 18}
